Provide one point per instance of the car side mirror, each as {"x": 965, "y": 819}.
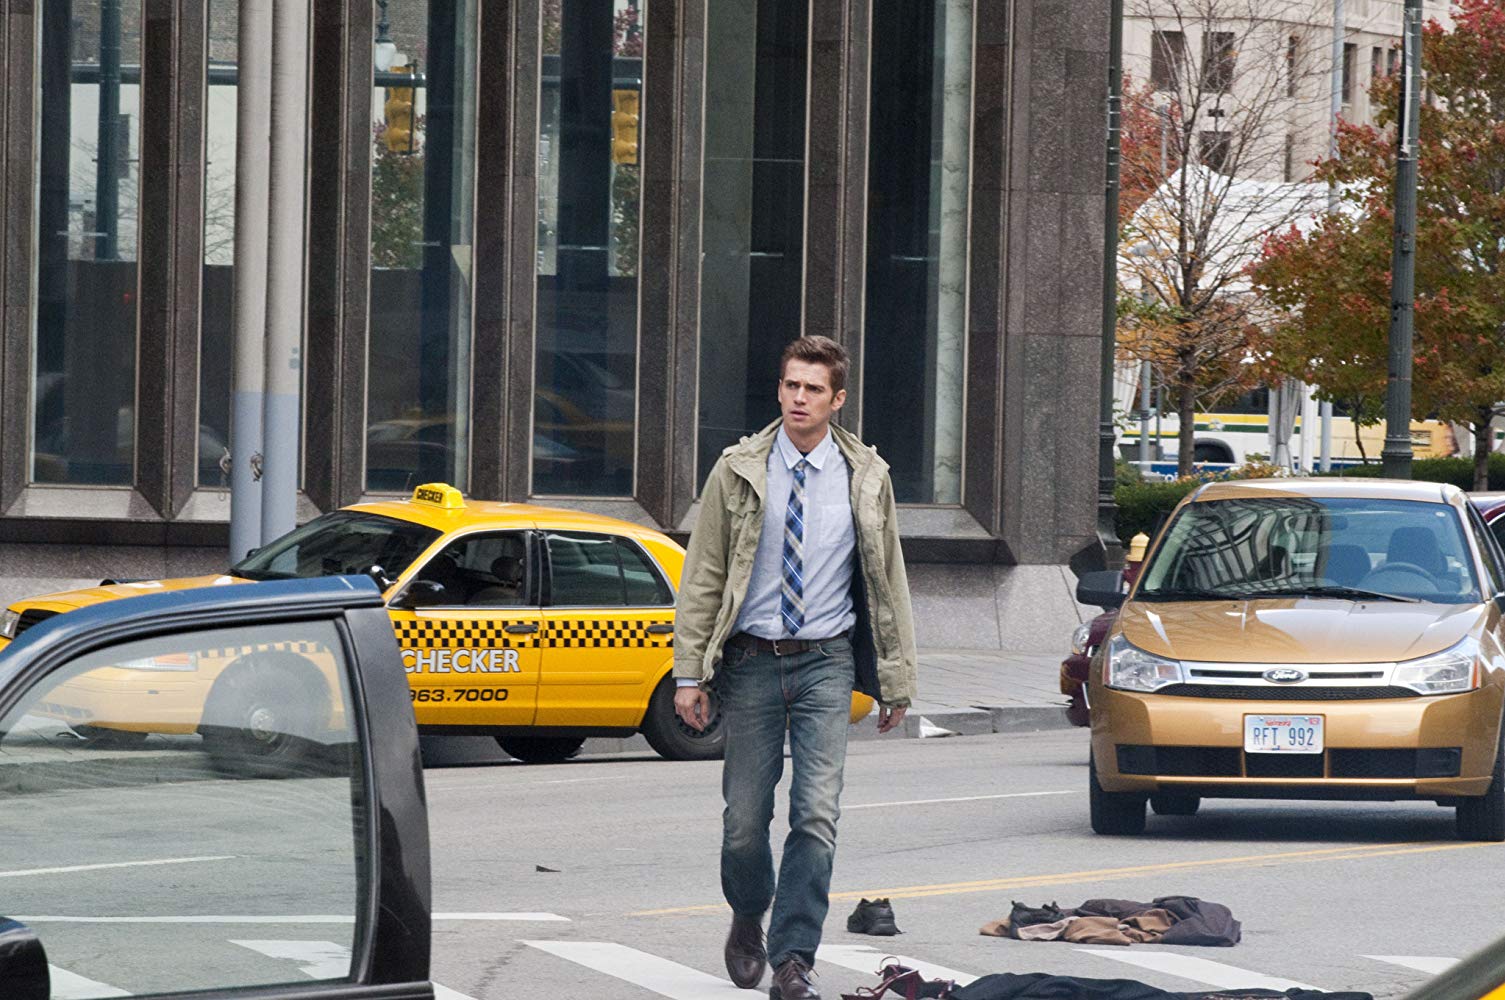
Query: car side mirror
{"x": 1104, "y": 589}
{"x": 23, "y": 963}
{"x": 422, "y": 594}
{"x": 379, "y": 575}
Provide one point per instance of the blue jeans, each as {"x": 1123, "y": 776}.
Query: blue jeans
{"x": 762, "y": 696}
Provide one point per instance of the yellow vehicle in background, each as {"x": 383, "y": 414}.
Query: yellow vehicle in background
{"x": 538, "y": 626}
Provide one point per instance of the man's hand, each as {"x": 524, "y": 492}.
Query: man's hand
{"x": 694, "y": 706}
{"x": 889, "y": 718}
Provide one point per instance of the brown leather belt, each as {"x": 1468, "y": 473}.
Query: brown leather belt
{"x": 778, "y": 647}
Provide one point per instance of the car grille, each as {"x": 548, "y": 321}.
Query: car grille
{"x": 1273, "y": 692}
{"x": 1340, "y": 762}
{"x": 32, "y": 616}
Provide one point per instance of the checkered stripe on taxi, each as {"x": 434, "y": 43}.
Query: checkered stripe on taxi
{"x": 594, "y": 633}
{"x": 446, "y": 633}
{"x": 264, "y": 647}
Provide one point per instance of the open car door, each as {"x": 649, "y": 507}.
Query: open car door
{"x": 212, "y": 792}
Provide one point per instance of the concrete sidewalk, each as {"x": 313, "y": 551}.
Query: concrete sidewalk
{"x": 964, "y": 692}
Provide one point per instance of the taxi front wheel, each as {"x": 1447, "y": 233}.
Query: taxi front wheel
{"x": 672, "y": 738}
{"x": 1114, "y": 813}
{"x": 1483, "y": 818}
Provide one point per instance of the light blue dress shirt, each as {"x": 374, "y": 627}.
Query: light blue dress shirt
{"x": 829, "y": 542}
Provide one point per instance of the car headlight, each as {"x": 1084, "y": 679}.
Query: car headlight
{"x": 1448, "y": 672}
{"x": 1130, "y": 668}
{"x": 1079, "y": 638}
{"x": 8, "y": 623}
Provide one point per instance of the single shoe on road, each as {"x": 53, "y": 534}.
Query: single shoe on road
{"x": 791, "y": 981}
{"x": 875, "y": 918}
{"x": 746, "y": 958}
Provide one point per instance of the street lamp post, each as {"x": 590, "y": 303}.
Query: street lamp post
{"x": 107, "y": 145}
{"x": 385, "y": 49}
{"x": 1396, "y": 454}
{"x": 1107, "y": 513}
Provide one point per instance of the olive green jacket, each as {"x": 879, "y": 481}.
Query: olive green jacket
{"x": 718, "y": 567}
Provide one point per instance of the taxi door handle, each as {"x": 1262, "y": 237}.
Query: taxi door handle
{"x": 520, "y": 629}
{"x": 660, "y": 629}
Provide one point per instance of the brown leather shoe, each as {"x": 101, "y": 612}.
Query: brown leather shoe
{"x": 746, "y": 958}
{"x": 791, "y": 981}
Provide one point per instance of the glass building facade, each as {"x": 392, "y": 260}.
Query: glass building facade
{"x": 555, "y": 248}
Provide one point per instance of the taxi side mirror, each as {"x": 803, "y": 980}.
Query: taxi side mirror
{"x": 422, "y": 594}
{"x": 23, "y": 963}
{"x": 1104, "y": 589}
{"x": 379, "y": 576}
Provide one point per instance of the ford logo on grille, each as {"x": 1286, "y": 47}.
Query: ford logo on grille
{"x": 1285, "y": 675}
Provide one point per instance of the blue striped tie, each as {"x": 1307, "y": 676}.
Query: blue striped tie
{"x": 792, "y": 591}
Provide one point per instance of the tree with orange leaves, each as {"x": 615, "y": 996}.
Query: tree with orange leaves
{"x": 1332, "y": 284}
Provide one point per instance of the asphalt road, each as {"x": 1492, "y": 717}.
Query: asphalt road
{"x": 952, "y": 831}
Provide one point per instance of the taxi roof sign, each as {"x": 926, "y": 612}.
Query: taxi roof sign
{"x": 439, "y": 495}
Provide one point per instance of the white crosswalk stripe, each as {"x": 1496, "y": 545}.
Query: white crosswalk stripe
{"x": 1430, "y": 964}
{"x": 316, "y": 959}
{"x": 864, "y": 958}
{"x": 70, "y": 986}
{"x": 1198, "y": 970}
{"x": 661, "y": 976}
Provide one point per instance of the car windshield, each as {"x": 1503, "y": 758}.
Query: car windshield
{"x": 344, "y": 541}
{"x": 1346, "y": 548}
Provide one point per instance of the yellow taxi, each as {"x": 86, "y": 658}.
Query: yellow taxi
{"x": 1290, "y": 639}
{"x": 538, "y": 626}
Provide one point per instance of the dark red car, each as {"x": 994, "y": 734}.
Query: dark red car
{"x": 1491, "y": 507}
{"x": 1088, "y": 636}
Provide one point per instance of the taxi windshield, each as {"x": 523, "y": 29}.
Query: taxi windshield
{"x": 1346, "y": 548}
{"x": 341, "y": 542}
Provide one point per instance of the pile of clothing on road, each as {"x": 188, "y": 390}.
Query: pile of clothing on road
{"x": 909, "y": 985}
{"x": 1166, "y": 920}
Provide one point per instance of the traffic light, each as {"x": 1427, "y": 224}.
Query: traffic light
{"x": 399, "y": 114}
{"x": 624, "y": 126}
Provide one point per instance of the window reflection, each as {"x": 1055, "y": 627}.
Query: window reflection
{"x": 422, "y": 179}
{"x": 752, "y": 215}
{"x": 589, "y": 196}
{"x": 914, "y": 342}
{"x": 216, "y": 333}
{"x": 88, "y": 179}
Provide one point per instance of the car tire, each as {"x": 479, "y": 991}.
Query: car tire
{"x": 261, "y": 716}
{"x": 541, "y": 749}
{"x": 1119, "y": 814}
{"x": 671, "y": 738}
{"x": 1483, "y": 817}
{"x": 101, "y": 738}
{"x": 1175, "y": 804}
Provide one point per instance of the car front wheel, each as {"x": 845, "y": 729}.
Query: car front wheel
{"x": 672, "y": 738}
{"x": 1483, "y": 818}
{"x": 1113, "y": 813}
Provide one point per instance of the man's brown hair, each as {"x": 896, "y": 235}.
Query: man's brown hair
{"x": 819, "y": 351}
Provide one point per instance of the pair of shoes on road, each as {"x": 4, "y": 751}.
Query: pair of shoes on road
{"x": 875, "y": 918}
{"x": 747, "y": 960}
{"x": 902, "y": 982}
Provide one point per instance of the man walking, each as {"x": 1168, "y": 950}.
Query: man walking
{"x": 793, "y": 594}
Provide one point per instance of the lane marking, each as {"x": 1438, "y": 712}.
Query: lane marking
{"x": 1432, "y": 965}
{"x": 666, "y": 978}
{"x": 961, "y": 798}
{"x": 865, "y": 958}
{"x": 306, "y": 918}
{"x": 69, "y": 986}
{"x": 1348, "y": 853}
{"x": 115, "y": 864}
{"x": 1198, "y": 970}
{"x": 316, "y": 959}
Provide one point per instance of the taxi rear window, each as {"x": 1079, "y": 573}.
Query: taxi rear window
{"x": 340, "y": 542}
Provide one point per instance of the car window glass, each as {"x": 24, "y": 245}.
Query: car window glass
{"x": 585, "y": 571}
{"x": 339, "y": 543}
{"x": 481, "y": 571}
{"x": 1286, "y": 546}
{"x": 191, "y": 796}
{"x": 1487, "y": 548}
{"x": 645, "y": 586}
